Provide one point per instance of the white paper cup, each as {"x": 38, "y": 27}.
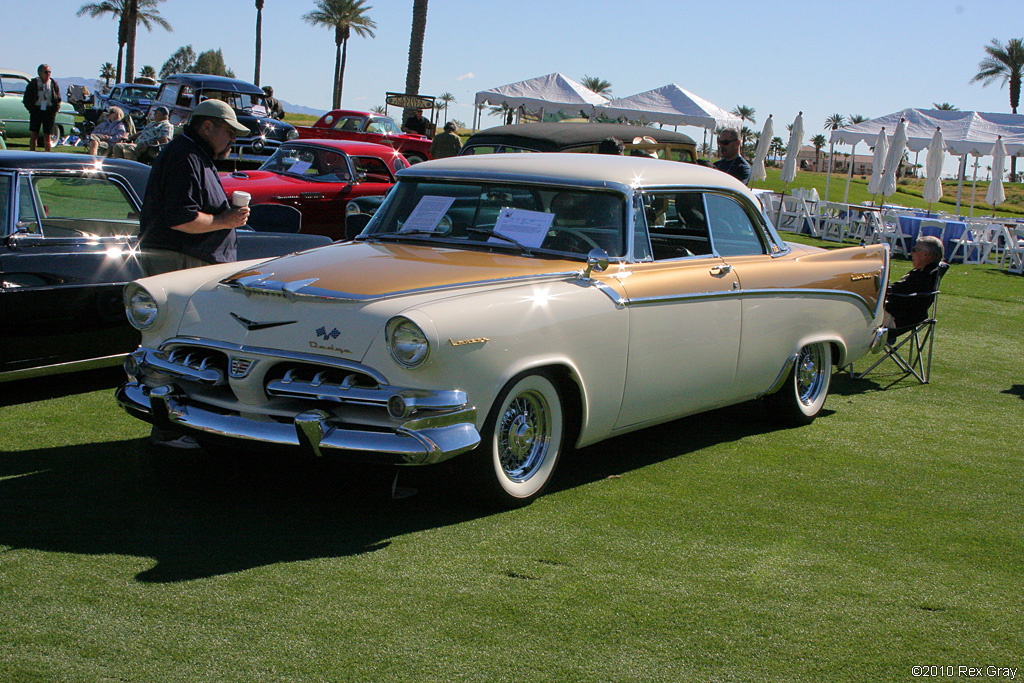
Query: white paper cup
{"x": 239, "y": 198}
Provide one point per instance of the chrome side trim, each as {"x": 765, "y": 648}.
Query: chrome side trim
{"x": 59, "y": 368}
{"x": 815, "y": 293}
{"x": 416, "y": 442}
{"x": 787, "y": 367}
{"x": 263, "y": 285}
{"x": 276, "y": 354}
{"x": 878, "y": 340}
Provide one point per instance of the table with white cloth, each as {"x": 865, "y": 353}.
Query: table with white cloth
{"x": 949, "y": 231}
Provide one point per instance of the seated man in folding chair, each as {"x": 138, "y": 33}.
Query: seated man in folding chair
{"x": 907, "y": 300}
{"x": 907, "y": 305}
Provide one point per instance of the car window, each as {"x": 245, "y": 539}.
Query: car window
{"x": 28, "y": 217}
{"x": 731, "y": 228}
{"x": 375, "y": 170}
{"x": 184, "y": 96}
{"x": 169, "y": 94}
{"x": 677, "y": 224}
{"x": 5, "y": 199}
{"x": 319, "y": 164}
{"x": 349, "y": 124}
{"x": 77, "y": 206}
{"x": 13, "y": 84}
{"x": 382, "y": 125}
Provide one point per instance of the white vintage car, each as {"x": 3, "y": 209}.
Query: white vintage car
{"x": 501, "y": 309}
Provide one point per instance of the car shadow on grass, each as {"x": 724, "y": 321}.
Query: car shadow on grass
{"x": 59, "y": 386}
{"x": 198, "y": 514}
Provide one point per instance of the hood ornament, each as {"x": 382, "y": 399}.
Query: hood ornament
{"x": 252, "y": 325}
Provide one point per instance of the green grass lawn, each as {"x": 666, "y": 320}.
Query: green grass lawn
{"x": 885, "y": 535}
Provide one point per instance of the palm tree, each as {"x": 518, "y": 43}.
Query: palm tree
{"x": 945, "y": 106}
{"x": 416, "y": 37}
{"x": 380, "y": 109}
{"x": 504, "y": 111}
{"x": 259, "y": 42}
{"x": 344, "y": 16}
{"x": 137, "y": 12}
{"x": 107, "y": 72}
{"x": 113, "y": 8}
{"x": 745, "y": 113}
{"x": 777, "y": 148}
{"x": 818, "y": 141}
{"x": 598, "y": 85}
{"x": 148, "y": 71}
{"x": 1004, "y": 64}
{"x": 445, "y": 99}
{"x": 854, "y": 119}
{"x": 835, "y": 122}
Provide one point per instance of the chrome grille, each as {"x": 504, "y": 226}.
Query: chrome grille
{"x": 336, "y": 385}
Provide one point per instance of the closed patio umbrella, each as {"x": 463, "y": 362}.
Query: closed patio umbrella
{"x": 893, "y": 158}
{"x": 878, "y": 163}
{"x": 933, "y": 169}
{"x": 757, "y": 171}
{"x": 995, "y": 194}
{"x": 796, "y": 136}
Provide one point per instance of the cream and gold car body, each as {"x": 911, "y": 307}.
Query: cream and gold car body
{"x": 627, "y": 340}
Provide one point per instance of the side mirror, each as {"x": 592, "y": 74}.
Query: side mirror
{"x": 355, "y": 223}
{"x": 597, "y": 260}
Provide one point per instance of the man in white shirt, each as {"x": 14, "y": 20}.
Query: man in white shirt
{"x": 157, "y": 132}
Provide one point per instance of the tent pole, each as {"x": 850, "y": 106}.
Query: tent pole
{"x": 828, "y": 176}
{"x": 974, "y": 184}
{"x": 960, "y": 183}
{"x": 849, "y": 173}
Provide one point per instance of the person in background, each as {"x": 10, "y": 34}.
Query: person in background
{"x": 108, "y": 133}
{"x": 42, "y": 99}
{"x": 416, "y": 123}
{"x": 907, "y": 300}
{"x": 157, "y": 132}
{"x": 273, "y": 104}
{"x": 611, "y": 146}
{"x": 446, "y": 143}
{"x": 731, "y": 162}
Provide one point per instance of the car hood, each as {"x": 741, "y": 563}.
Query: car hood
{"x": 336, "y": 300}
{"x": 368, "y": 270}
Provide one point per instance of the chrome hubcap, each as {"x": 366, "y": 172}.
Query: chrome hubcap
{"x": 809, "y": 374}
{"x": 524, "y": 436}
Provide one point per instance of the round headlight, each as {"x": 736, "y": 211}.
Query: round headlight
{"x": 141, "y": 307}
{"x": 292, "y": 134}
{"x": 407, "y": 344}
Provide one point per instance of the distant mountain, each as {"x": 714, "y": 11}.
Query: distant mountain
{"x": 96, "y": 84}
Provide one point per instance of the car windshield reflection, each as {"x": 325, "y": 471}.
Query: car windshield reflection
{"x": 525, "y": 219}
{"x": 321, "y": 165}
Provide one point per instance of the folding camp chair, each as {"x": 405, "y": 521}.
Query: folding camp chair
{"x": 913, "y": 353}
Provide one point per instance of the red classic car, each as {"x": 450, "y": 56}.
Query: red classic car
{"x": 319, "y": 177}
{"x": 342, "y": 124}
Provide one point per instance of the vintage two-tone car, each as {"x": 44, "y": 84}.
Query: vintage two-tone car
{"x": 580, "y": 138}
{"x": 321, "y": 178}
{"x": 500, "y": 309}
{"x": 69, "y": 227}
{"x": 344, "y": 124}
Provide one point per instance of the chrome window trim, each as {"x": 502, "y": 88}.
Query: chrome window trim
{"x": 796, "y": 291}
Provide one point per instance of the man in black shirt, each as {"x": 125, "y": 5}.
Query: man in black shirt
{"x": 416, "y": 123}
{"x": 731, "y": 162}
{"x": 186, "y": 219}
{"x": 907, "y": 300}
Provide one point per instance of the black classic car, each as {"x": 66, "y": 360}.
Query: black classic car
{"x": 581, "y": 137}
{"x": 134, "y": 99}
{"x": 181, "y": 93}
{"x": 69, "y": 226}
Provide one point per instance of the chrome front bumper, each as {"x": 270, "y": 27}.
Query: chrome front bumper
{"x": 422, "y": 441}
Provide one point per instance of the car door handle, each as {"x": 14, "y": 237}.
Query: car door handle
{"x": 721, "y": 270}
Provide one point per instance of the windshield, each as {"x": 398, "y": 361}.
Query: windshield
{"x": 247, "y": 103}
{"x": 311, "y": 163}
{"x": 382, "y": 125}
{"x": 133, "y": 95}
{"x": 523, "y": 218}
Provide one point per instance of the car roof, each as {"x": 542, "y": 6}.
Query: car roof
{"x": 144, "y": 86}
{"x": 356, "y": 112}
{"x": 13, "y": 72}
{"x": 549, "y": 137}
{"x": 135, "y": 173}
{"x": 216, "y": 82}
{"x": 347, "y": 146}
{"x": 588, "y": 170}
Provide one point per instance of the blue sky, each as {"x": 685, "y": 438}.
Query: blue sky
{"x": 779, "y": 57}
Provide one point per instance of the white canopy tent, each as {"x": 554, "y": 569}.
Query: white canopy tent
{"x": 671, "y": 105}
{"x": 550, "y": 93}
{"x": 964, "y": 132}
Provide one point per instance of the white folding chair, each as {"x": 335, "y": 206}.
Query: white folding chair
{"x": 1015, "y": 251}
{"x": 834, "y": 222}
{"x": 969, "y": 247}
{"x": 864, "y": 225}
{"x": 892, "y": 233}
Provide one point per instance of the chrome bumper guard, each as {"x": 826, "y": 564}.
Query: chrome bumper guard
{"x": 878, "y": 340}
{"x": 421, "y": 441}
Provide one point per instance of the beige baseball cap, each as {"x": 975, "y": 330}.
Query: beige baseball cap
{"x": 216, "y": 109}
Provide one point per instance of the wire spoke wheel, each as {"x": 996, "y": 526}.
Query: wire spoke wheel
{"x": 803, "y": 394}
{"x": 524, "y": 436}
